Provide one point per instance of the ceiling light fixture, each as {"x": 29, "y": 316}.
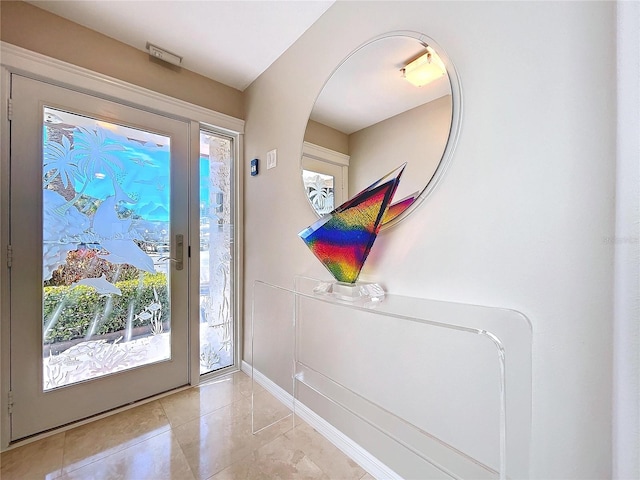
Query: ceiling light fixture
{"x": 164, "y": 55}
{"x": 424, "y": 69}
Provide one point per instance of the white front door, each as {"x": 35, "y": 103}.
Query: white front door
{"x": 99, "y": 270}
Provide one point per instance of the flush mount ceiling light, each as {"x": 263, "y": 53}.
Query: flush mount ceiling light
{"x": 164, "y": 55}
{"x": 424, "y": 69}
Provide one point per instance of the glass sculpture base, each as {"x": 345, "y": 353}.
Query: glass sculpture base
{"x": 351, "y": 292}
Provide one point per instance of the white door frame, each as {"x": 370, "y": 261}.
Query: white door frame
{"x": 333, "y": 160}
{"x": 18, "y": 60}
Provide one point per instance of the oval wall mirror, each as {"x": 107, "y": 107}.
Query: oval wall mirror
{"x": 372, "y": 115}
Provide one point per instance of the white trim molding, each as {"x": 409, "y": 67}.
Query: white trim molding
{"x": 346, "y": 445}
{"x": 324, "y": 154}
{"x": 21, "y": 61}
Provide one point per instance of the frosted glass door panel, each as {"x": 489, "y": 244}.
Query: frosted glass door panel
{"x": 325, "y": 184}
{"x": 216, "y": 259}
{"x": 320, "y": 191}
{"x": 105, "y": 244}
{"x": 99, "y": 287}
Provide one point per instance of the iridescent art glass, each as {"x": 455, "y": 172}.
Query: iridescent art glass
{"x": 343, "y": 239}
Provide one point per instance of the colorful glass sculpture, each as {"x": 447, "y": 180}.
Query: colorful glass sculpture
{"x": 400, "y": 206}
{"x": 342, "y": 239}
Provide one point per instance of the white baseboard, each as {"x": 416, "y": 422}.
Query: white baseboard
{"x": 371, "y": 464}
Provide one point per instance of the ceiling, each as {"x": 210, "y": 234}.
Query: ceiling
{"x": 234, "y": 41}
{"x": 231, "y": 42}
{"x": 369, "y": 86}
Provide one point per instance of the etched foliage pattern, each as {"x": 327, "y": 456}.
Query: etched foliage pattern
{"x": 216, "y": 237}
{"x": 105, "y": 236}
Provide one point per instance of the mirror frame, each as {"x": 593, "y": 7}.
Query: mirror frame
{"x": 454, "y": 130}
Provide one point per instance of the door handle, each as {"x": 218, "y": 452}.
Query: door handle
{"x": 179, "y": 258}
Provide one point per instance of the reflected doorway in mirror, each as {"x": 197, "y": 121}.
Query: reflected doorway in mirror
{"x": 370, "y": 113}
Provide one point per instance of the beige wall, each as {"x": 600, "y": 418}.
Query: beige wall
{"x": 520, "y": 219}
{"x": 521, "y": 215}
{"x": 37, "y": 30}
{"x": 326, "y": 137}
{"x": 417, "y": 137}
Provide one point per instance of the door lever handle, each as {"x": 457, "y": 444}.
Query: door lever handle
{"x": 179, "y": 258}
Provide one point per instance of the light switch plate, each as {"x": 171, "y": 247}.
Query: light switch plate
{"x": 272, "y": 158}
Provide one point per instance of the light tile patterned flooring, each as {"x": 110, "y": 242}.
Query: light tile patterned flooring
{"x": 200, "y": 433}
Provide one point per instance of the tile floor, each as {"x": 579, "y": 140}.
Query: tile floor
{"x": 200, "y": 433}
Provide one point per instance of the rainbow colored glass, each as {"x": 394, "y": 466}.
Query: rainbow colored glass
{"x": 342, "y": 239}
{"x": 400, "y": 206}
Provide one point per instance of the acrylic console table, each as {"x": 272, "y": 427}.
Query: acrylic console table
{"x": 431, "y": 389}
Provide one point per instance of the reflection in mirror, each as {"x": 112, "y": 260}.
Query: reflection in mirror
{"x": 371, "y": 111}
{"x": 319, "y": 188}
{"x": 324, "y": 174}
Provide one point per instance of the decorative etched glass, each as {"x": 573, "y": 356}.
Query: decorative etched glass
{"x": 216, "y": 236}
{"x": 319, "y": 188}
{"x": 105, "y": 245}
{"x": 342, "y": 239}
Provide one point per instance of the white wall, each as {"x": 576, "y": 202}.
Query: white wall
{"x": 626, "y": 394}
{"x": 522, "y": 216}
